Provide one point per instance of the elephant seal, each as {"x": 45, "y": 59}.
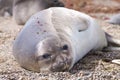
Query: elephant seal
{"x": 24, "y": 9}
{"x": 56, "y": 38}
{"x": 6, "y": 7}
{"x": 115, "y": 19}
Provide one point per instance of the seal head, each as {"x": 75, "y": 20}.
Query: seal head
{"x": 54, "y": 54}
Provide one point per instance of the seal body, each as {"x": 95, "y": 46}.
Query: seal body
{"x": 6, "y": 7}
{"x": 24, "y": 9}
{"x": 115, "y": 19}
{"x": 56, "y": 38}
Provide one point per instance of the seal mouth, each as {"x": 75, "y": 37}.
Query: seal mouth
{"x": 61, "y": 66}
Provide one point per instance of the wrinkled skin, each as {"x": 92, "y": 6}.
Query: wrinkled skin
{"x": 54, "y": 55}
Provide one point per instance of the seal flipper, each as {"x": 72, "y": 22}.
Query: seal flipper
{"x": 83, "y": 25}
{"x": 113, "y": 45}
{"x": 112, "y": 41}
{"x": 111, "y": 49}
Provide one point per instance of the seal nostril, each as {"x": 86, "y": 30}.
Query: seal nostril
{"x": 61, "y": 64}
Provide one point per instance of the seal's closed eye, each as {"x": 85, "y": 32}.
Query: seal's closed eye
{"x": 45, "y": 56}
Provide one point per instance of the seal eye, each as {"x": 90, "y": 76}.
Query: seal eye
{"x": 45, "y": 56}
{"x": 65, "y": 47}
